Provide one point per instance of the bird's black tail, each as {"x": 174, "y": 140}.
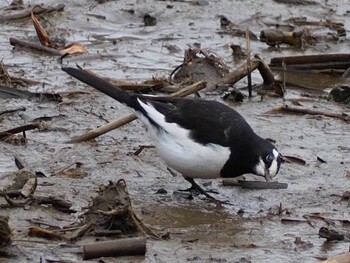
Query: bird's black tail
{"x": 101, "y": 85}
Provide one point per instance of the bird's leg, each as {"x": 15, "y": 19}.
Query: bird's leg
{"x": 196, "y": 187}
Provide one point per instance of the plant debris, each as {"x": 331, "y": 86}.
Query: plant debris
{"x": 112, "y": 210}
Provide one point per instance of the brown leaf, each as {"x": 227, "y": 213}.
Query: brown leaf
{"x": 40, "y": 31}
{"x": 74, "y": 48}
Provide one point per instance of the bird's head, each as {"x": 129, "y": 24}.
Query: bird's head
{"x": 268, "y": 163}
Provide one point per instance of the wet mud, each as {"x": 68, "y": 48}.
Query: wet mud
{"x": 261, "y": 225}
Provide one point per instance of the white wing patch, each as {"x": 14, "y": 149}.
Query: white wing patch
{"x": 179, "y": 151}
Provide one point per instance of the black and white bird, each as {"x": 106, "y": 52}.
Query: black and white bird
{"x": 197, "y": 138}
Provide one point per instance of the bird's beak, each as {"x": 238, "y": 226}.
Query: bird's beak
{"x": 267, "y": 176}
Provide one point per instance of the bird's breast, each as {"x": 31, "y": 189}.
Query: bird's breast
{"x": 191, "y": 158}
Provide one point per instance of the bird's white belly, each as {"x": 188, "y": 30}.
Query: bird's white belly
{"x": 191, "y": 159}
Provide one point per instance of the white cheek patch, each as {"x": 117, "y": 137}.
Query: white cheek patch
{"x": 274, "y": 165}
{"x": 273, "y": 168}
{"x": 259, "y": 168}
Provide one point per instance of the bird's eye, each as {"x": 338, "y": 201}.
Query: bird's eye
{"x": 270, "y": 157}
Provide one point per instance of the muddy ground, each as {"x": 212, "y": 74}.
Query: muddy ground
{"x": 199, "y": 231}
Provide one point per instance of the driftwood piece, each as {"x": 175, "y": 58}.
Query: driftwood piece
{"x": 238, "y": 73}
{"x": 40, "y": 9}
{"x": 131, "y": 117}
{"x": 254, "y": 184}
{"x": 12, "y": 110}
{"x": 35, "y": 46}
{"x": 321, "y": 58}
{"x": 294, "y": 110}
{"x": 274, "y": 37}
{"x": 56, "y": 202}
{"x": 115, "y": 248}
{"x": 9, "y": 92}
{"x": 265, "y": 72}
{"x": 243, "y": 70}
{"x": 55, "y": 234}
{"x": 19, "y": 129}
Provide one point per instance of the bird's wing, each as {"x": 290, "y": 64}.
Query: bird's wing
{"x": 207, "y": 121}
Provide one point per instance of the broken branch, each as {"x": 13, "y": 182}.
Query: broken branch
{"x": 289, "y": 109}
{"x": 35, "y": 46}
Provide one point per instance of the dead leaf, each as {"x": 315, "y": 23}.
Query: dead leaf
{"x": 293, "y": 159}
{"x": 74, "y": 48}
{"x": 40, "y": 31}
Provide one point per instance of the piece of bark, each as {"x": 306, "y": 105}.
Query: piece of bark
{"x": 115, "y": 248}
{"x": 131, "y": 117}
{"x": 35, "y": 46}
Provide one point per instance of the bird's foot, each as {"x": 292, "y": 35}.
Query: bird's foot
{"x": 195, "y": 187}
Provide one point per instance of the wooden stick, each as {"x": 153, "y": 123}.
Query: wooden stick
{"x": 35, "y": 46}
{"x": 38, "y": 10}
{"x": 131, "y": 117}
{"x": 249, "y": 75}
{"x": 239, "y": 73}
{"x": 265, "y": 72}
{"x": 324, "y": 58}
{"x": 103, "y": 129}
{"x": 342, "y": 65}
{"x": 288, "y": 109}
{"x": 23, "y": 128}
{"x": 12, "y": 110}
{"x": 115, "y": 248}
